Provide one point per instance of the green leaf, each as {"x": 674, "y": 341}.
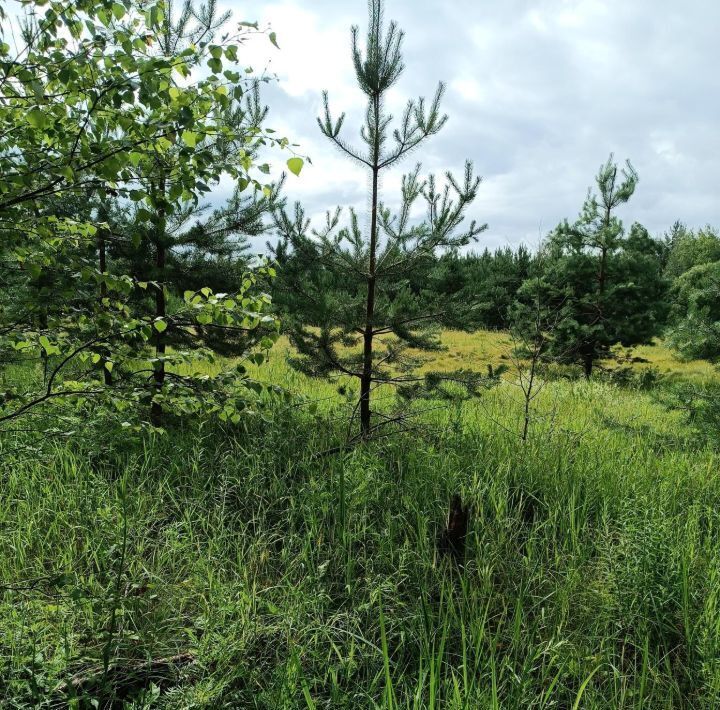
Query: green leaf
{"x": 189, "y": 138}
{"x": 273, "y": 39}
{"x": 160, "y": 326}
{"x": 37, "y": 118}
{"x": 295, "y": 165}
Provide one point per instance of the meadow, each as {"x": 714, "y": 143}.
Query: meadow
{"x": 237, "y": 566}
{"x": 485, "y": 347}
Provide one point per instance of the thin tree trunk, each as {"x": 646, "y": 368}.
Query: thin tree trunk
{"x": 528, "y": 397}
{"x": 43, "y": 325}
{"x": 102, "y": 265}
{"x": 156, "y": 411}
{"x": 367, "y": 372}
{"x": 602, "y": 276}
{"x": 602, "y": 280}
{"x": 42, "y": 312}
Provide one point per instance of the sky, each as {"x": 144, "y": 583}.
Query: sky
{"x": 539, "y": 93}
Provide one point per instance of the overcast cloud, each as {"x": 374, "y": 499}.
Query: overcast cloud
{"x": 539, "y": 92}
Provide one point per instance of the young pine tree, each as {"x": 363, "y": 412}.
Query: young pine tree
{"x": 606, "y": 286}
{"x": 129, "y": 104}
{"x": 347, "y": 289}
{"x": 183, "y": 243}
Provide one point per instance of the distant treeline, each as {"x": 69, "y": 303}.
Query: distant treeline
{"x": 489, "y": 282}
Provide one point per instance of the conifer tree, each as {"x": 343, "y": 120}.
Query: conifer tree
{"x": 202, "y": 248}
{"x": 696, "y": 331}
{"x": 177, "y": 232}
{"x": 353, "y": 311}
{"x": 606, "y": 287}
{"x": 115, "y": 99}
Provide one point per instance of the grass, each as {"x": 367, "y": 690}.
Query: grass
{"x": 491, "y": 347}
{"x": 479, "y": 349}
{"x": 276, "y": 579}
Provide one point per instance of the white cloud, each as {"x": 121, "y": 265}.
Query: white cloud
{"x": 539, "y": 93}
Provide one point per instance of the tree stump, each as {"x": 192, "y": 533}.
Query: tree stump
{"x": 451, "y": 542}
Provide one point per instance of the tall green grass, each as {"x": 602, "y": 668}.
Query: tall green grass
{"x": 291, "y": 580}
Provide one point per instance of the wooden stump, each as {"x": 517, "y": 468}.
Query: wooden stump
{"x": 451, "y": 542}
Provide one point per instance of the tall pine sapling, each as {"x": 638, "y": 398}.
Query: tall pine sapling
{"x": 598, "y": 230}
{"x": 353, "y": 311}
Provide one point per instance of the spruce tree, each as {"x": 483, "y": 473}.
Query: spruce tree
{"x": 353, "y": 311}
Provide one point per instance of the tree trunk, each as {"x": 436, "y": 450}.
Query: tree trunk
{"x": 156, "y": 411}
{"x": 528, "y": 392}
{"x": 367, "y": 371}
{"x": 366, "y": 379}
{"x": 602, "y": 280}
{"x": 102, "y": 266}
{"x": 42, "y": 313}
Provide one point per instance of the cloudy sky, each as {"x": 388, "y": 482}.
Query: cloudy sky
{"x": 539, "y": 92}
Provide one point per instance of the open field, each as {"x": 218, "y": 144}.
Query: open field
{"x": 272, "y": 578}
{"x": 479, "y": 349}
